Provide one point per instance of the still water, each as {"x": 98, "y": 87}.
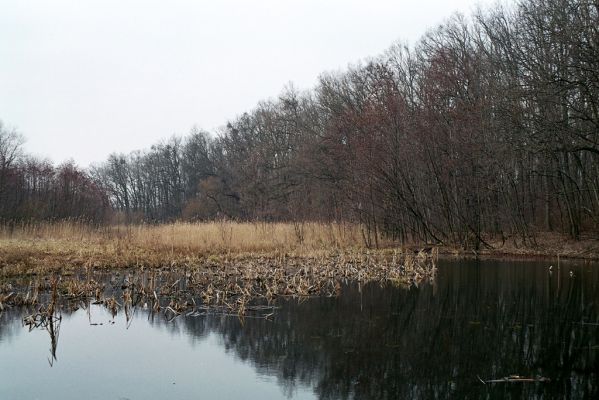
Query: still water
{"x": 478, "y": 321}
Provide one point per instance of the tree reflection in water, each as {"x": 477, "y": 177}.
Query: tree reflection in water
{"x": 487, "y": 320}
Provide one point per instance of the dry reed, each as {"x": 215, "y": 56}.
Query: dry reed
{"x": 232, "y": 286}
{"x": 29, "y": 248}
{"x": 217, "y": 236}
{"x": 195, "y": 267}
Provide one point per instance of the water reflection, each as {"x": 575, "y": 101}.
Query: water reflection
{"x": 479, "y": 320}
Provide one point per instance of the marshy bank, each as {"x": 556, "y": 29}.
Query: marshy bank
{"x": 188, "y": 268}
{"x": 31, "y": 248}
{"x": 42, "y": 247}
{"x": 234, "y": 285}
{"x": 220, "y": 266}
{"x": 295, "y": 311}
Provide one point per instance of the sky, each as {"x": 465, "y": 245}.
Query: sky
{"x": 81, "y": 79}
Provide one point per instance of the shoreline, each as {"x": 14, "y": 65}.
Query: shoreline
{"x": 515, "y": 256}
{"x": 41, "y": 257}
{"x": 67, "y": 246}
{"x": 181, "y": 268}
{"x": 549, "y": 247}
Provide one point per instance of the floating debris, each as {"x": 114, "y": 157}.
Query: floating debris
{"x": 515, "y": 379}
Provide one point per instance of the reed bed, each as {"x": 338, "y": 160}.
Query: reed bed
{"x": 200, "y": 237}
{"x": 230, "y": 287}
{"x": 192, "y": 268}
{"x": 33, "y": 248}
{"x": 227, "y": 236}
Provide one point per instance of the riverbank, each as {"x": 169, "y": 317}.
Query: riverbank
{"x": 549, "y": 246}
{"x": 66, "y": 246}
{"x": 63, "y": 246}
{"x": 225, "y": 266}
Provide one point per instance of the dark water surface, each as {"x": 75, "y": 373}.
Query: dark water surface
{"x": 482, "y": 320}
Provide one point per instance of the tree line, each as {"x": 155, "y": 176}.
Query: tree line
{"x": 33, "y": 189}
{"x": 487, "y": 126}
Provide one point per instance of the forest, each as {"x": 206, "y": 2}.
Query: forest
{"x": 487, "y": 127}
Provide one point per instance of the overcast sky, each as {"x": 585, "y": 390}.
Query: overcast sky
{"x": 81, "y": 79}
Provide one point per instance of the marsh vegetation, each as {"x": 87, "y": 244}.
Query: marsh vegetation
{"x": 27, "y": 247}
{"x": 219, "y": 265}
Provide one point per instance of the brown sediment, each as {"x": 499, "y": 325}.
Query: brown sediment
{"x": 543, "y": 246}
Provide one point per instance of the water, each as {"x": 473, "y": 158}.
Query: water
{"x": 482, "y": 320}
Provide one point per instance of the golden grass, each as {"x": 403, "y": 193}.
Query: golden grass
{"x": 28, "y": 247}
{"x": 204, "y": 237}
{"x": 225, "y": 236}
{"x": 220, "y": 265}
{"x": 42, "y": 247}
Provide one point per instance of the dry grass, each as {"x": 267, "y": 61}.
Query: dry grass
{"x": 229, "y": 287}
{"x": 63, "y": 246}
{"x": 183, "y": 267}
{"x": 29, "y": 248}
{"x": 207, "y": 237}
{"x": 235, "y": 237}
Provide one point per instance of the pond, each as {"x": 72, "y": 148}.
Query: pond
{"x": 478, "y": 321}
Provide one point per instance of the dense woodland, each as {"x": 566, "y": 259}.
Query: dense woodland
{"x": 487, "y": 127}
